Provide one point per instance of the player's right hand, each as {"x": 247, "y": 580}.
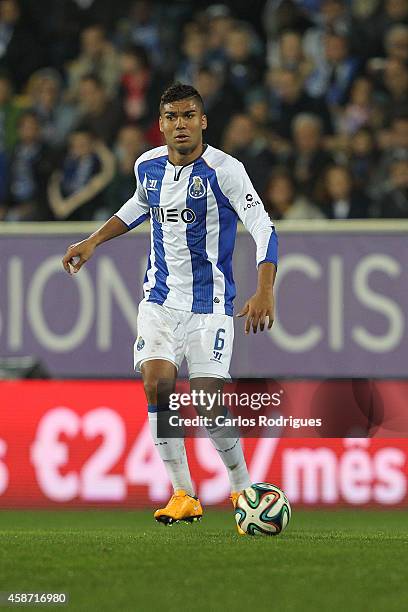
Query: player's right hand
{"x": 76, "y": 255}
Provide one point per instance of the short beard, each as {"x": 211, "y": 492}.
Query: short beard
{"x": 185, "y": 149}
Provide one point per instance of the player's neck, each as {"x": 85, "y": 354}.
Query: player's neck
{"x": 183, "y": 159}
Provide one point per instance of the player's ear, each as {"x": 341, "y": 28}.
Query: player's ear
{"x": 204, "y": 122}
{"x": 160, "y": 124}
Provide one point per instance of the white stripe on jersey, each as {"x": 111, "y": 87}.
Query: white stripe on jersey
{"x": 213, "y": 239}
{"x": 151, "y": 270}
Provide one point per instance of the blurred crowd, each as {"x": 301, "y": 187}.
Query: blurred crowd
{"x": 311, "y": 95}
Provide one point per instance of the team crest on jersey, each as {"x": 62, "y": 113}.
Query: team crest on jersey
{"x": 197, "y": 188}
{"x": 140, "y": 343}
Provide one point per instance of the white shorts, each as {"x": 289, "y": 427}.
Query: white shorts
{"x": 205, "y": 340}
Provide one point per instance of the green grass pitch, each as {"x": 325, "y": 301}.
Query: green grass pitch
{"x": 120, "y": 560}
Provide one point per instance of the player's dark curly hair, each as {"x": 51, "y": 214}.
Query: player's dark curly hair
{"x": 180, "y": 91}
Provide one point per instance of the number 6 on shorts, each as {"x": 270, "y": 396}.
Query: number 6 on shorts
{"x": 219, "y": 340}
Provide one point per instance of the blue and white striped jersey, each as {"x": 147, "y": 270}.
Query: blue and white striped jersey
{"x": 193, "y": 212}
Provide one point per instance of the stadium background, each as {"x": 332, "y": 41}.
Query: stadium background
{"x": 312, "y": 97}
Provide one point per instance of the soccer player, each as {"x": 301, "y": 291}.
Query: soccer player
{"x": 193, "y": 195}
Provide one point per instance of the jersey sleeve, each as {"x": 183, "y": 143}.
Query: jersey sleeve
{"x": 250, "y": 209}
{"x": 136, "y": 209}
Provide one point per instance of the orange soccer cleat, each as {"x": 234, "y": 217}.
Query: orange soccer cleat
{"x": 234, "y": 498}
{"x": 181, "y": 507}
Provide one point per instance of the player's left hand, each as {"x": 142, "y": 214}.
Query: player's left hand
{"x": 256, "y": 309}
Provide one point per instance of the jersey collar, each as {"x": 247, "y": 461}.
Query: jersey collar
{"x": 205, "y": 148}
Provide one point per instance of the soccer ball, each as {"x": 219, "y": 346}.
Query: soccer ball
{"x": 262, "y": 509}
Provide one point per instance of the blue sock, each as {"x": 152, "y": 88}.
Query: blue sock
{"x": 152, "y": 408}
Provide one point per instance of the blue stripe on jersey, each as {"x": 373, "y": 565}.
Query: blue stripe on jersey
{"x": 149, "y": 265}
{"x": 196, "y": 233}
{"x": 228, "y": 228}
{"x": 153, "y": 170}
{"x": 272, "y": 250}
{"x": 139, "y": 220}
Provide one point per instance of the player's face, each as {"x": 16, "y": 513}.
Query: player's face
{"x": 182, "y": 123}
